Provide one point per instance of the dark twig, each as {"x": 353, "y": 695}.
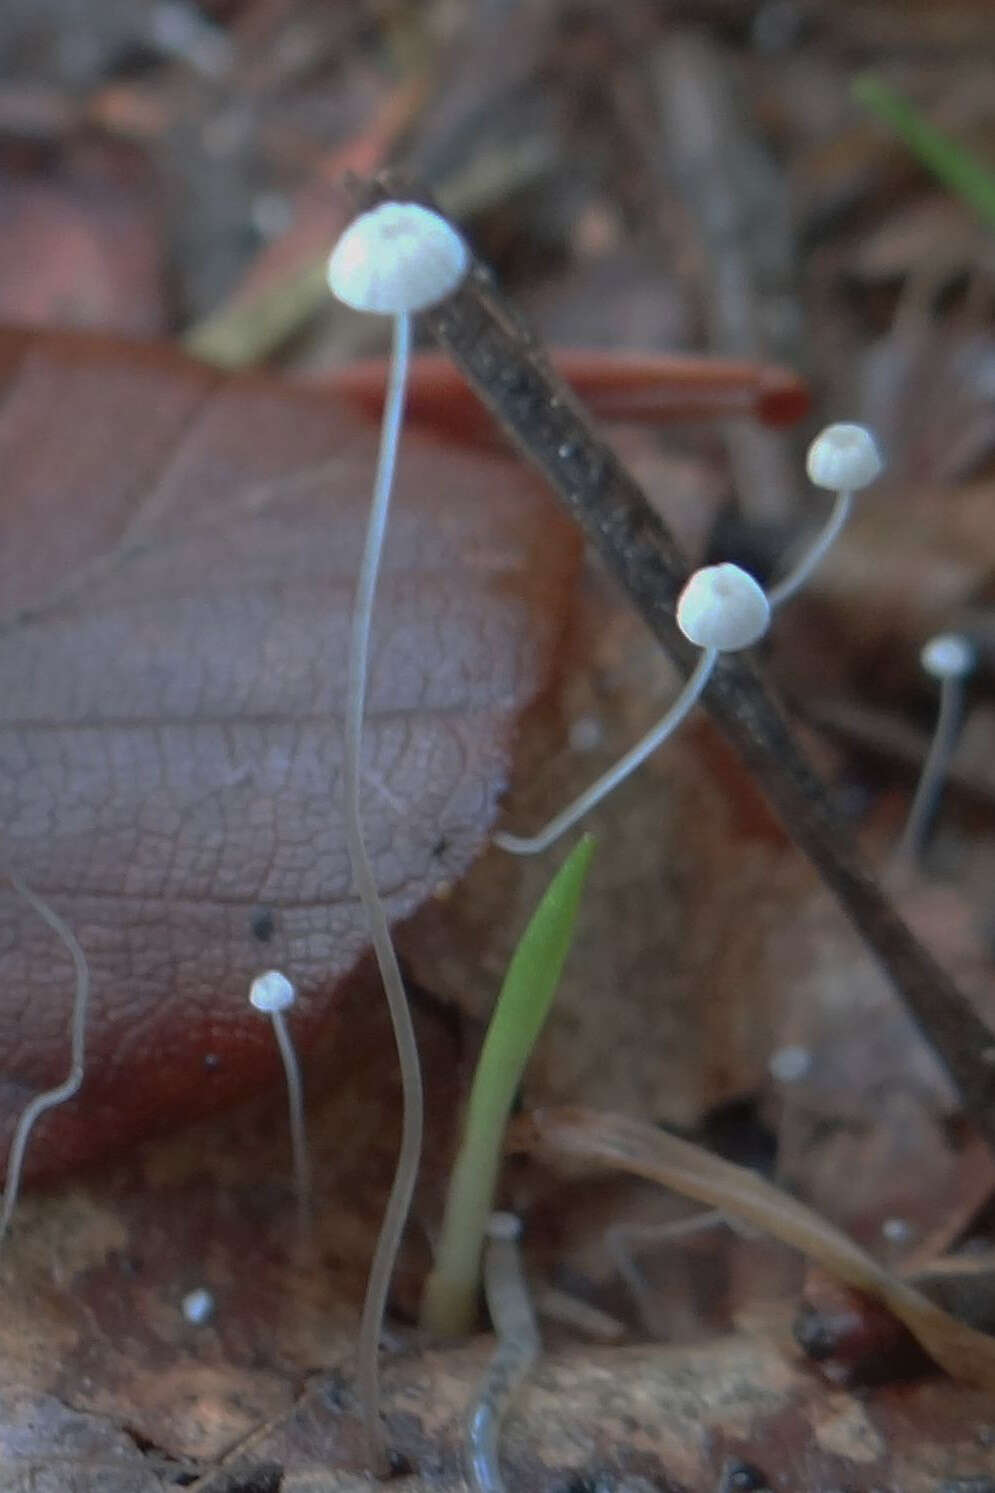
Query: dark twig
{"x": 503, "y": 362}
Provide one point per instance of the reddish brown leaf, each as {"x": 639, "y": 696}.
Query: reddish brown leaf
{"x": 175, "y": 583}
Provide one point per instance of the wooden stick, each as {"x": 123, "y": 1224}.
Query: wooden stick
{"x": 504, "y": 363}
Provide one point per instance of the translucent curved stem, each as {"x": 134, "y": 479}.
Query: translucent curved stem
{"x": 568, "y": 817}
{"x": 518, "y": 1348}
{"x": 934, "y": 769}
{"x": 77, "y": 1058}
{"x": 396, "y": 1212}
{"x": 796, "y": 578}
{"x": 298, "y": 1130}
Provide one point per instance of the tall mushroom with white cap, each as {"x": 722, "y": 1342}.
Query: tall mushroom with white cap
{"x": 720, "y": 610}
{"x": 394, "y": 260}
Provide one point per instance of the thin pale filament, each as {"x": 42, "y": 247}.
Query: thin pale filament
{"x": 568, "y": 817}
{"x": 77, "y": 1060}
{"x": 934, "y": 770}
{"x": 518, "y": 1348}
{"x": 298, "y": 1130}
{"x": 796, "y": 578}
{"x": 399, "y": 1202}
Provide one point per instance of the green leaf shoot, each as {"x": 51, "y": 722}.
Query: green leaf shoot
{"x": 450, "y": 1302}
{"x": 950, "y": 162}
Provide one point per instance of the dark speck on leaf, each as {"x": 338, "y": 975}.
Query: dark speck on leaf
{"x": 262, "y": 924}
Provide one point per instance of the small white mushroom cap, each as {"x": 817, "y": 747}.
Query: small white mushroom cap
{"x": 272, "y": 992}
{"x": 722, "y": 607}
{"x": 398, "y": 257}
{"x": 948, "y": 656}
{"x": 844, "y": 458}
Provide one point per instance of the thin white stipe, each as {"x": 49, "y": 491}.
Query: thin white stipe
{"x": 814, "y": 555}
{"x": 585, "y": 802}
{"x": 519, "y": 1345}
{"x": 41, "y": 1103}
{"x": 402, "y": 1189}
{"x": 298, "y": 1128}
{"x": 934, "y": 769}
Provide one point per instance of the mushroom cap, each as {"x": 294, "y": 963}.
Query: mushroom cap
{"x": 396, "y": 258}
{"x": 948, "y": 656}
{"x": 722, "y": 607}
{"x": 272, "y": 992}
{"x": 844, "y": 458}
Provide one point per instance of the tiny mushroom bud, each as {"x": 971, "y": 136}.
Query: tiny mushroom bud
{"x": 394, "y": 260}
{"x": 949, "y": 657}
{"x": 843, "y": 458}
{"x": 273, "y": 995}
{"x": 720, "y": 610}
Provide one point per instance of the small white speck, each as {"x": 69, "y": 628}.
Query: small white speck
{"x": 272, "y": 214}
{"x": 790, "y": 1064}
{"x": 586, "y": 734}
{"x": 198, "y": 1306}
{"x": 897, "y": 1230}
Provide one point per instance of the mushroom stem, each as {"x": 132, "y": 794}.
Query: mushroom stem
{"x": 41, "y": 1103}
{"x": 934, "y": 770}
{"x": 298, "y": 1130}
{"x": 518, "y": 1348}
{"x": 682, "y": 706}
{"x": 815, "y": 554}
{"x": 402, "y": 1189}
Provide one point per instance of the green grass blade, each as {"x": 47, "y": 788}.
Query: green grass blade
{"x": 449, "y": 1307}
{"x": 953, "y": 164}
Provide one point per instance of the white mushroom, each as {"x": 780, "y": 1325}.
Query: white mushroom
{"x": 843, "y": 458}
{"x": 272, "y": 994}
{"x": 720, "y": 610}
{"x": 396, "y": 259}
{"x": 949, "y": 657}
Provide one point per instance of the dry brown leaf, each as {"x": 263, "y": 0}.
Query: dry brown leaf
{"x": 175, "y": 585}
{"x": 619, "y": 1141}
